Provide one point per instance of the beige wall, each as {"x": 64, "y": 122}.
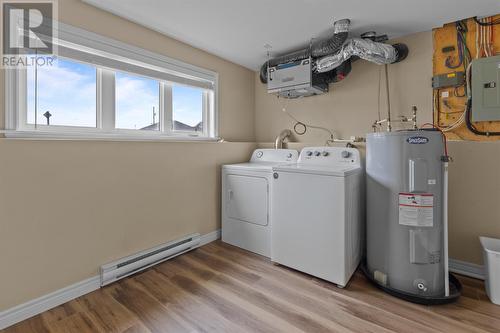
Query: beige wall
{"x": 351, "y": 107}
{"x": 69, "y": 206}
{"x": 66, "y": 207}
{"x": 474, "y": 197}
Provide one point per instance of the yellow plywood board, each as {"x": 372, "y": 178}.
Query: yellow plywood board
{"x": 448, "y": 105}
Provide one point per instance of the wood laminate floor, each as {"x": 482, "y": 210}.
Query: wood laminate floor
{"x": 221, "y": 288}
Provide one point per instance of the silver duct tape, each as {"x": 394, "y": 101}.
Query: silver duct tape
{"x": 366, "y": 49}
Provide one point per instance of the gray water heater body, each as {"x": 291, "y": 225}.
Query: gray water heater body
{"x": 405, "y": 243}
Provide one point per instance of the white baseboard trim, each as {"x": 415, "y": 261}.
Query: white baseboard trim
{"x": 466, "y": 268}
{"x": 210, "y": 237}
{"x": 36, "y": 306}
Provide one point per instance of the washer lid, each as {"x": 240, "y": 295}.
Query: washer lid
{"x": 339, "y": 171}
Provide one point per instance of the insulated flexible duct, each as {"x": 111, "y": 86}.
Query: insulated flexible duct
{"x": 336, "y": 75}
{"x": 366, "y": 49}
{"x": 317, "y": 49}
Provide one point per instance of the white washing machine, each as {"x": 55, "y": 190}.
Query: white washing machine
{"x": 318, "y": 213}
{"x": 246, "y": 199}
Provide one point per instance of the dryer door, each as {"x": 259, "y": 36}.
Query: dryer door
{"x": 247, "y": 199}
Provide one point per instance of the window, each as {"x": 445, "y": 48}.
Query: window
{"x": 137, "y": 102}
{"x": 65, "y": 94}
{"x": 187, "y": 109}
{"x": 101, "y": 88}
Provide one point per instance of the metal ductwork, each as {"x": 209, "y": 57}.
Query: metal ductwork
{"x": 379, "y": 53}
{"x": 309, "y": 71}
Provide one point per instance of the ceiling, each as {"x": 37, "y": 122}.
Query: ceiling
{"x": 238, "y": 30}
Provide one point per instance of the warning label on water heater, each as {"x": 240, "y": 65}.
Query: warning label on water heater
{"x": 416, "y": 210}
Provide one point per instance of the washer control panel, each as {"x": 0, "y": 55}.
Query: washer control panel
{"x": 330, "y": 156}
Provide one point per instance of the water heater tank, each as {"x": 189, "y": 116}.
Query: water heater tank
{"x": 405, "y": 244}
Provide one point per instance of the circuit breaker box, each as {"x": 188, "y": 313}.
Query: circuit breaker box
{"x": 486, "y": 89}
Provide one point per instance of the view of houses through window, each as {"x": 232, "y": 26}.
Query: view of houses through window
{"x": 137, "y": 102}
{"x": 66, "y": 95}
{"x": 187, "y": 113}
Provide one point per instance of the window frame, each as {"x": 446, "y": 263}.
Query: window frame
{"x": 91, "y": 44}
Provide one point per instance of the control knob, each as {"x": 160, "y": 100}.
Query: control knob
{"x": 325, "y": 153}
{"x": 345, "y": 154}
{"x": 309, "y": 153}
{"x": 317, "y": 153}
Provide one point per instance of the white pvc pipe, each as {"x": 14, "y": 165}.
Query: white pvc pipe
{"x": 387, "y": 92}
{"x": 445, "y": 230}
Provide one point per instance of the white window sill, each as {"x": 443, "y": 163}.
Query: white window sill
{"x": 49, "y": 135}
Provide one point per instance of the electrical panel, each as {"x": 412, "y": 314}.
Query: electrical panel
{"x": 486, "y": 89}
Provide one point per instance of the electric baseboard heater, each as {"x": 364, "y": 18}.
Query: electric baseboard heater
{"x": 132, "y": 264}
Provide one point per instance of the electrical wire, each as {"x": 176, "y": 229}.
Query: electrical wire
{"x": 456, "y": 94}
{"x": 470, "y": 125}
{"x": 438, "y": 111}
{"x": 484, "y": 37}
{"x": 298, "y": 122}
{"x": 449, "y": 59}
{"x": 464, "y": 56}
{"x": 442, "y": 134}
{"x": 379, "y": 89}
{"x": 485, "y": 30}
{"x": 486, "y": 24}
{"x": 462, "y": 117}
{"x": 455, "y": 124}
{"x": 306, "y": 125}
{"x": 450, "y": 107}
{"x": 485, "y": 40}
{"x": 463, "y": 29}
{"x": 478, "y": 27}
{"x": 490, "y": 37}
{"x": 436, "y": 107}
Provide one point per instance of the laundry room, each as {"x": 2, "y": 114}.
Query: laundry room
{"x": 250, "y": 166}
